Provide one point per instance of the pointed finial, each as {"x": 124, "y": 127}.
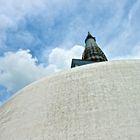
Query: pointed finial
{"x": 89, "y": 36}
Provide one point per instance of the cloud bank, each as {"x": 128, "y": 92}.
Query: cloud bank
{"x": 20, "y": 68}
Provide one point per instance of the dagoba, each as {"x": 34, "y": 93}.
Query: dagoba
{"x": 91, "y": 54}
{"x": 100, "y": 101}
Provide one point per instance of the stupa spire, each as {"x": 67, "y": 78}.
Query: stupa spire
{"x": 92, "y": 51}
{"x": 91, "y": 54}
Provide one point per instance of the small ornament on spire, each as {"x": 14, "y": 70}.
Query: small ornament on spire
{"x": 89, "y": 36}
{"x": 89, "y": 33}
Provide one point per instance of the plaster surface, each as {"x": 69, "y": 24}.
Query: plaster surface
{"x": 93, "y": 102}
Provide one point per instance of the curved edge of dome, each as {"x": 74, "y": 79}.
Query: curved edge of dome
{"x": 76, "y": 69}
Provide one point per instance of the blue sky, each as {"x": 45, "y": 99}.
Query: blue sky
{"x": 40, "y": 37}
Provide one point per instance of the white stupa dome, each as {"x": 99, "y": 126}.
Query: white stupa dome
{"x": 99, "y": 101}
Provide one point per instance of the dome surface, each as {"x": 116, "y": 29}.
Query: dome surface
{"x": 99, "y": 101}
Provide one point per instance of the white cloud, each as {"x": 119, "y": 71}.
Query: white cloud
{"x": 134, "y": 11}
{"x": 20, "y": 68}
{"x": 5, "y": 21}
{"x": 62, "y": 57}
{"x": 14, "y": 10}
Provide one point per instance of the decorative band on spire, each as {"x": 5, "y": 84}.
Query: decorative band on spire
{"x": 94, "y": 54}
